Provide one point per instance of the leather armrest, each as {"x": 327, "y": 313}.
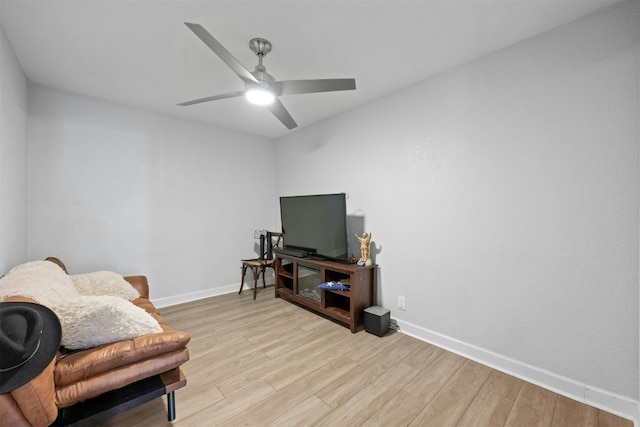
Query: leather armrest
{"x": 140, "y": 283}
{"x": 36, "y": 399}
{"x": 10, "y": 413}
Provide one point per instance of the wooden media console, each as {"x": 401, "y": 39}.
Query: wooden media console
{"x": 297, "y": 280}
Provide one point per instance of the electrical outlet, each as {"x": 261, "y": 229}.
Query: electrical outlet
{"x": 401, "y": 303}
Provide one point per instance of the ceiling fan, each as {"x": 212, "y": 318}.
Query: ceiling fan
{"x": 260, "y": 87}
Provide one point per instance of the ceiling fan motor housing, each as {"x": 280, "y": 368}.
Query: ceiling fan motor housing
{"x": 260, "y": 46}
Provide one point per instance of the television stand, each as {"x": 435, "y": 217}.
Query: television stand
{"x": 297, "y": 280}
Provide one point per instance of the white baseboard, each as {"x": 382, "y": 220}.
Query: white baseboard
{"x": 601, "y": 399}
{"x": 205, "y": 293}
{"x": 193, "y": 296}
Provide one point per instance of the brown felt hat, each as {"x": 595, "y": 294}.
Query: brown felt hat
{"x": 29, "y": 339}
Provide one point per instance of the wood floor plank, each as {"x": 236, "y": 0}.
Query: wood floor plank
{"x": 493, "y": 403}
{"x": 380, "y": 361}
{"x": 259, "y": 368}
{"x": 429, "y": 381}
{"x": 278, "y": 343}
{"x": 571, "y": 413}
{"x": 606, "y": 419}
{"x": 365, "y": 403}
{"x": 236, "y": 403}
{"x": 400, "y": 410}
{"x": 296, "y": 370}
{"x": 422, "y": 356}
{"x": 214, "y": 357}
{"x": 453, "y": 399}
{"x": 503, "y": 385}
{"x": 224, "y": 372}
{"x": 533, "y": 407}
{"x": 206, "y": 342}
{"x": 288, "y": 399}
{"x": 304, "y": 414}
{"x": 369, "y": 346}
{"x": 270, "y": 362}
{"x": 487, "y": 409}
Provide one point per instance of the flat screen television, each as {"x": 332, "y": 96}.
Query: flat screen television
{"x": 315, "y": 226}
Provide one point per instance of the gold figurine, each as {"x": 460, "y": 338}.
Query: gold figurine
{"x": 365, "y": 241}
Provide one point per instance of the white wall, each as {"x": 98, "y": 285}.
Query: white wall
{"x": 13, "y": 158}
{"x": 503, "y": 200}
{"x": 122, "y": 189}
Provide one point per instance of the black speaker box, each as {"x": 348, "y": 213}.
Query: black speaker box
{"x": 376, "y": 320}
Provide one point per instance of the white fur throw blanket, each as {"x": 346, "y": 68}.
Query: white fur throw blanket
{"x": 104, "y": 283}
{"x": 93, "y": 308}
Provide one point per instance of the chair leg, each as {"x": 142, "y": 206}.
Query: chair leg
{"x": 263, "y": 270}
{"x": 171, "y": 406}
{"x": 244, "y": 270}
{"x": 256, "y": 273}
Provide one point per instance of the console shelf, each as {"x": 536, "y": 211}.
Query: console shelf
{"x": 297, "y": 280}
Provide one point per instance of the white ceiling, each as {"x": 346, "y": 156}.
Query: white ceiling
{"x": 140, "y": 53}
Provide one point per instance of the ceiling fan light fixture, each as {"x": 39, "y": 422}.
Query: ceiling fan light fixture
{"x": 260, "y": 95}
{"x": 260, "y": 87}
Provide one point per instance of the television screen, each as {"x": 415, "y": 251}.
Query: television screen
{"x": 316, "y": 225}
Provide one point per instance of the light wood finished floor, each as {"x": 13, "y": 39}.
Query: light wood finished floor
{"x": 271, "y": 363}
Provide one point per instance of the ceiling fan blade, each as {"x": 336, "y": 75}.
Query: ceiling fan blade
{"x": 282, "y": 114}
{"x": 223, "y": 53}
{"x": 296, "y": 87}
{"x": 213, "y": 98}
